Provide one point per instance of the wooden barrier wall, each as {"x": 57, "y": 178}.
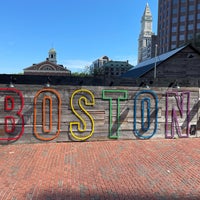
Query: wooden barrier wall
{"x": 34, "y": 113}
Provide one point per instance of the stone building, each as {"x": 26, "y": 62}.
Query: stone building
{"x": 49, "y": 67}
{"x": 109, "y": 68}
{"x": 100, "y": 62}
{"x": 116, "y": 68}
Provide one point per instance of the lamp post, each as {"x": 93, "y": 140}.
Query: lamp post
{"x": 155, "y": 70}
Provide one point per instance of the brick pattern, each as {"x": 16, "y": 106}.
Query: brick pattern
{"x": 148, "y": 169}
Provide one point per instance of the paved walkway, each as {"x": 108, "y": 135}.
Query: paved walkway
{"x": 151, "y": 169}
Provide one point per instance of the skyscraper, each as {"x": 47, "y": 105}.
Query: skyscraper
{"x": 178, "y": 23}
{"x": 144, "y": 41}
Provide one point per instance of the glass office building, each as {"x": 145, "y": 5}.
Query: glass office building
{"x": 178, "y": 23}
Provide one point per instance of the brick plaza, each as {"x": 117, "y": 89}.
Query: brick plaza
{"x": 157, "y": 169}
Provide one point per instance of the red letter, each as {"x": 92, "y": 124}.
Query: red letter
{"x": 14, "y": 122}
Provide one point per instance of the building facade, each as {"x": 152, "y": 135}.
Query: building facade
{"x": 99, "y": 62}
{"x": 116, "y": 68}
{"x": 145, "y": 37}
{"x": 49, "y": 67}
{"x": 108, "y": 68}
{"x": 178, "y": 23}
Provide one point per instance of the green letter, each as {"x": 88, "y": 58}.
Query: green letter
{"x": 119, "y": 95}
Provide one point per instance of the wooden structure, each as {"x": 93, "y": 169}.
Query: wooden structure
{"x": 61, "y": 113}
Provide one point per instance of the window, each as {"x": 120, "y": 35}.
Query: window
{"x": 182, "y": 18}
{"x": 182, "y": 37}
{"x": 191, "y": 17}
{"x": 191, "y": 8}
{"x": 173, "y": 38}
{"x": 183, "y": 9}
{"x": 182, "y": 28}
{"x": 174, "y": 20}
{"x": 173, "y": 46}
{"x": 190, "y": 27}
{"x": 174, "y": 11}
{"x": 190, "y": 36}
{"x": 198, "y": 16}
{"x": 174, "y": 29}
{"x": 47, "y": 68}
{"x": 198, "y": 25}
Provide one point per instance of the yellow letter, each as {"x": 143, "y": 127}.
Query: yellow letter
{"x": 87, "y": 103}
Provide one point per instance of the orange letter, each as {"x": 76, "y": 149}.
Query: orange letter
{"x": 54, "y": 99}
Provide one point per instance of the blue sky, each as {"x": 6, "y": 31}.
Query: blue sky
{"x": 81, "y": 31}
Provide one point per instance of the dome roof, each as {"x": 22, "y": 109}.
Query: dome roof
{"x": 52, "y": 50}
{"x": 105, "y": 57}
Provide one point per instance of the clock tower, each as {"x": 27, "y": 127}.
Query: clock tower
{"x": 144, "y": 41}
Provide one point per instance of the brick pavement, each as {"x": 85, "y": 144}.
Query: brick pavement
{"x": 131, "y": 169}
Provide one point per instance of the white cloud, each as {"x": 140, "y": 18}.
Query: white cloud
{"x": 76, "y": 65}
